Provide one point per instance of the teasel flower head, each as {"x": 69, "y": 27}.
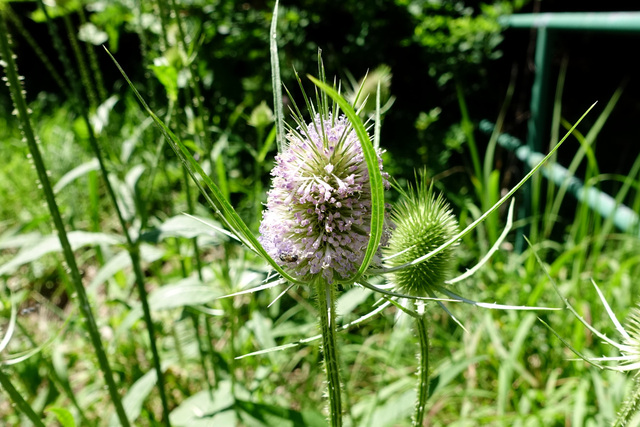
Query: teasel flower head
{"x": 423, "y": 222}
{"x": 318, "y": 214}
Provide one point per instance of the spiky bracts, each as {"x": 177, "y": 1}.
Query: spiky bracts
{"x": 318, "y": 213}
{"x": 423, "y": 222}
{"x": 631, "y": 356}
{"x": 630, "y": 347}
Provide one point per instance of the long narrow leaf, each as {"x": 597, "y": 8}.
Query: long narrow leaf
{"x": 275, "y": 80}
{"x": 375, "y": 177}
{"x": 317, "y": 337}
{"x": 217, "y": 200}
{"x": 568, "y": 304}
{"x": 570, "y": 347}
{"x": 490, "y": 253}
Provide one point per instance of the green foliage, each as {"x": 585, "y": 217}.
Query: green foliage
{"x": 459, "y": 37}
{"x": 205, "y": 71}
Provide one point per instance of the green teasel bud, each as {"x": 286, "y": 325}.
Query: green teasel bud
{"x": 363, "y": 94}
{"x": 423, "y": 222}
{"x": 261, "y": 116}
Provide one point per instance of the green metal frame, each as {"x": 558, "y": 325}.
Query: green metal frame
{"x": 622, "y": 216}
{"x": 548, "y": 24}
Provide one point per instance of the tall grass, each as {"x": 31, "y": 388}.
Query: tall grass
{"x": 121, "y": 251}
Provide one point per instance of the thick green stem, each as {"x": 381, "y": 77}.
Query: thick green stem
{"x": 85, "y": 307}
{"x": 214, "y": 357}
{"x": 18, "y": 400}
{"x": 191, "y": 210}
{"x": 93, "y": 61}
{"x": 133, "y": 248}
{"x": 327, "y": 309}
{"x": 85, "y": 78}
{"x": 423, "y": 370}
{"x": 135, "y": 261}
{"x": 630, "y": 407}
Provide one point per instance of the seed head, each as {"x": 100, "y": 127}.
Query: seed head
{"x": 423, "y": 222}
{"x": 319, "y": 207}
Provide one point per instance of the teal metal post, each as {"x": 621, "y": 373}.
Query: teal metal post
{"x": 588, "y": 21}
{"x": 623, "y": 217}
{"x": 538, "y": 120}
{"x": 537, "y": 126}
{"x": 548, "y": 24}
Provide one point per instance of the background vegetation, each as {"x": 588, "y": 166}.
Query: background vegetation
{"x": 204, "y": 67}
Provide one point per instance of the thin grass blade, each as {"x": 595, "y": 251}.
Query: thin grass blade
{"x": 11, "y": 326}
{"x": 570, "y": 347}
{"x": 494, "y": 248}
{"x": 568, "y": 305}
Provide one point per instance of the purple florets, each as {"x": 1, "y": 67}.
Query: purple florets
{"x": 319, "y": 208}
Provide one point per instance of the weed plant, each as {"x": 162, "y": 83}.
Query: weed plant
{"x": 135, "y": 292}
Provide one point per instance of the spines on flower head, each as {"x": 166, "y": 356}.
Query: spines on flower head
{"x": 631, "y": 344}
{"x": 423, "y": 222}
{"x": 318, "y": 213}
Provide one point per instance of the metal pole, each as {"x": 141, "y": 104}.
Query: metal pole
{"x": 614, "y": 21}
{"x": 623, "y": 217}
{"x": 537, "y": 125}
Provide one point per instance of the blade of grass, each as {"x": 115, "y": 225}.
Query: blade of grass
{"x": 12, "y": 325}
{"x": 85, "y": 306}
{"x": 18, "y": 400}
{"x": 548, "y": 219}
{"x": 584, "y": 149}
{"x": 467, "y": 128}
{"x": 568, "y": 305}
{"x": 133, "y": 247}
{"x": 570, "y": 347}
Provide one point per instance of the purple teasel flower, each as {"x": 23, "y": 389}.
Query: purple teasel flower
{"x": 318, "y": 213}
